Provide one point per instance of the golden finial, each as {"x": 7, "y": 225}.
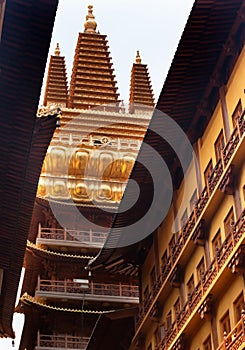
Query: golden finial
{"x": 123, "y": 107}
{"x": 138, "y": 59}
{"x": 90, "y": 24}
{"x": 57, "y": 50}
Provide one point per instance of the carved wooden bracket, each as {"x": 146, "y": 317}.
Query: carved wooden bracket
{"x": 237, "y": 264}
{"x": 206, "y": 307}
{"x": 199, "y": 235}
{"x": 227, "y": 184}
{"x": 175, "y": 277}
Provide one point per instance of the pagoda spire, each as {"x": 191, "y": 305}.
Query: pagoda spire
{"x": 93, "y": 81}
{"x": 140, "y": 87}
{"x": 56, "y": 91}
{"x": 90, "y": 24}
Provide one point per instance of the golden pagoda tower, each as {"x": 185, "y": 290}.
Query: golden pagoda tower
{"x": 83, "y": 178}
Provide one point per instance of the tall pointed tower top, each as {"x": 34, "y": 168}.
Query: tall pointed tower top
{"x": 93, "y": 81}
{"x": 90, "y": 25}
{"x": 56, "y": 92}
{"x": 141, "y": 94}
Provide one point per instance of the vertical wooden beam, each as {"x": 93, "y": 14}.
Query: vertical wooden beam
{"x": 225, "y": 117}
{"x": 214, "y": 332}
{"x": 198, "y": 168}
{"x": 207, "y": 250}
{"x": 237, "y": 198}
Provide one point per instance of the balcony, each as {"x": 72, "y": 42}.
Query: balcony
{"x": 71, "y": 238}
{"x": 193, "y": 225}
{"x": 61, "y": 341}
{"x": 236, "y": 338}
{"x": 224, "y": 254}
{"x": 71, "y": 290}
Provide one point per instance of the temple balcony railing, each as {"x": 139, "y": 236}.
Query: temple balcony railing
{"x": 223, "y": 254}
{"x": 60, "y": 341}
{"x": 114, "y": 144}
{"x": 69, "y": 289}
{"x": 194, "y": 221}
{"x": 73, "y": 238}
{"x": 235, "y": 339}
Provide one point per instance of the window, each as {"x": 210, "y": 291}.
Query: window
{"x": 229, "y": 222}
{"x": 216, "y": 244}
{"x": 169, "y": 320}
{"x": 237, "y": 113}
{"x": 238, "y": 306}
{"x": 162, "y": 331}
{"x": 200, "y": 270}
{"x": 153, "y": 276}
{"x": 219, "y": 146}
{"x": 193, "y": 200}
{"x": 177, "y": 308}
{"x": 207, "y": 345}
{"x": 190, "y": 286}
{"x": 208, "y": 172}
{"x": 225, "y": 326}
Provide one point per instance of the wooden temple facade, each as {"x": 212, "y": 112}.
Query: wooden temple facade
{"x": 83, "y": 178}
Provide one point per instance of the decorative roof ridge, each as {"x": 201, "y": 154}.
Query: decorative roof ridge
{"x": 80, "y": 204}
{"x": 50, "y": 252}
{"x": 28, "y": 299}
{"x": 94, "y": 111}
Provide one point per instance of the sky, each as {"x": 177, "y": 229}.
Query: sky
{"x": 152, "y": 27}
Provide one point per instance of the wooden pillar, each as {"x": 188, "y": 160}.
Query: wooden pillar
{"x": 198, "y": 168}
{"x": 182, "y": 293}
{"x": 207, "y": 249}
{"x": 237, "y": 198}
{"x": 222, "y": 93}
{"x": 214, "y": 332}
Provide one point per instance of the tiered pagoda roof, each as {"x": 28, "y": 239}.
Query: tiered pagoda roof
{"x": 92, "y": 82}
{"x": 56, "y": 88}
{"x": 140, "y": 87}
